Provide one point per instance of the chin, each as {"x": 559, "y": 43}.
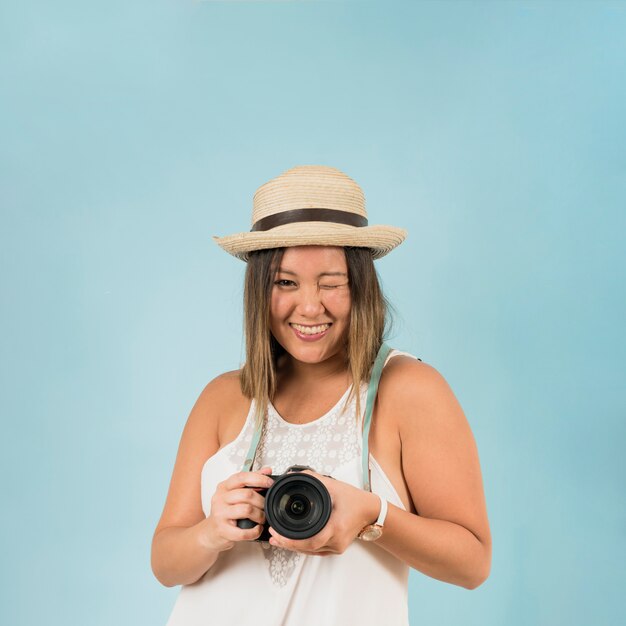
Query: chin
{"x": 309, "y": 358}
{"x": 307, "y": 354}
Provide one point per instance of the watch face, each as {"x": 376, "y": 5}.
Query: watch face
{"x": 371, "y": 533}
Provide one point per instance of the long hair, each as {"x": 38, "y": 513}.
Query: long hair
{"x": 369, "y": 322}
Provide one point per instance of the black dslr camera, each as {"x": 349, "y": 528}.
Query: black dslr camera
{"x": 297, "y": 505}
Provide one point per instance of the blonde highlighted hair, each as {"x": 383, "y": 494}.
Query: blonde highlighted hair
{"x": 369, "y": 323}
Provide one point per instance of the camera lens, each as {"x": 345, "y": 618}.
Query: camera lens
{"x": 297, "y": 505}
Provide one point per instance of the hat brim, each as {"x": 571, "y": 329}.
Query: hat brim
{"x": 380, "y": 239}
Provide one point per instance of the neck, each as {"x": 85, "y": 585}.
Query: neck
{"x": 300, "y": 372}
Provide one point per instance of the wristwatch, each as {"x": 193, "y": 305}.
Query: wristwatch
{"x": 374, "y": 531}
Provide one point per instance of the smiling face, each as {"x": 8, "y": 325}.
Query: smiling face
{"x": 310, "y": 302}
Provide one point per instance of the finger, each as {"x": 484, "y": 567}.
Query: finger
{"x": 234, "y": 533}
{"x": 245, "y": 496}
{"x": 324, "y": 553}
{"x": 247, "y": 479}
{"x": 315, "y": 545}
{"x": 246, "y": 511}
{"x": 319, "y": 542}
{"x": 296, "y": 545}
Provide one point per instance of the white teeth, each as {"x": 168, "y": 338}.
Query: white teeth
{"x": 311, "y": 330}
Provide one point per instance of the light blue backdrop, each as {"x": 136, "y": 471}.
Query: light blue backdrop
{"x": 130, "y": 132}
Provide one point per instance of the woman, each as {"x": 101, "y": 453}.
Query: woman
{"x": 314, "y": 320}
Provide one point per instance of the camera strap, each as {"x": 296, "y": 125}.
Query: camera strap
{"x": 254, "y": 444}
{"x": 377, "y": 370}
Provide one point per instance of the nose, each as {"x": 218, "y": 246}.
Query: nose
{"x": 310, "y": 302}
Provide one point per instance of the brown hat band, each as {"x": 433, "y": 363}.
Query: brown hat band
{"x": 309, "y": 215}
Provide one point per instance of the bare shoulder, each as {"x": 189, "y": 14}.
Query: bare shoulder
{"x": 403, "y": 368}
{"x": 223, "y": 388}
{"x": 199, "y": 441}
{"x": 230, "y": 404}
{"x": 417, "y": 391}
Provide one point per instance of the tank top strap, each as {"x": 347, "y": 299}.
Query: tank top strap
{"x": 395, "y": 352}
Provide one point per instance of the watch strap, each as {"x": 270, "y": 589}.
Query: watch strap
{"x": 383, "y": 512}
{"x": 377, "y": 526}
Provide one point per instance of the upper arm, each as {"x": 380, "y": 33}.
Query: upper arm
{"x": 198, "y": 442}
{"x": 439, "y": 454}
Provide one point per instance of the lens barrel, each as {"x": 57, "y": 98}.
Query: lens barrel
{"x": 297, "y": 505}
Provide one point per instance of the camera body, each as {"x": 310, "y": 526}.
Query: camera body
{"x": 297, "y": 505}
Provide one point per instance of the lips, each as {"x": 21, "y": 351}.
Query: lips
{"x": 310, "y": 332}
{"x": 310, "y": 329}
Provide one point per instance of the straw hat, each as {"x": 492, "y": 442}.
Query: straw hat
{"x": 311, "y": 205}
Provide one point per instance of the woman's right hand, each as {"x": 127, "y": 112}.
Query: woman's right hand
{"x": 236, "y": 498}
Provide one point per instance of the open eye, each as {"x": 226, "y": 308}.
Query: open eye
{"x": 283, "y": 282}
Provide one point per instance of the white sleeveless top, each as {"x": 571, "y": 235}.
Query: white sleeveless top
{"x": 256, "y": 584}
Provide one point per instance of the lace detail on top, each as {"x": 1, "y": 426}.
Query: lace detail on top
{"x": 323, "y": 444}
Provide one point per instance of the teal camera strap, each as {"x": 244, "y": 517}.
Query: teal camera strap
{"x": 254, "y": 444}
{"x": 372, "y": 389}
{"x": 377, "y": 370}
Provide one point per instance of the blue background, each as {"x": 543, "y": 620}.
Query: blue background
{"x": 133, "y": 131}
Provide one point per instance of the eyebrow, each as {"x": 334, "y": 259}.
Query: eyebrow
{"x": 282, "y": 271}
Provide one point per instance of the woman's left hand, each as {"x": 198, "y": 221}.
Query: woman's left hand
{"x": 352, "y": 509}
